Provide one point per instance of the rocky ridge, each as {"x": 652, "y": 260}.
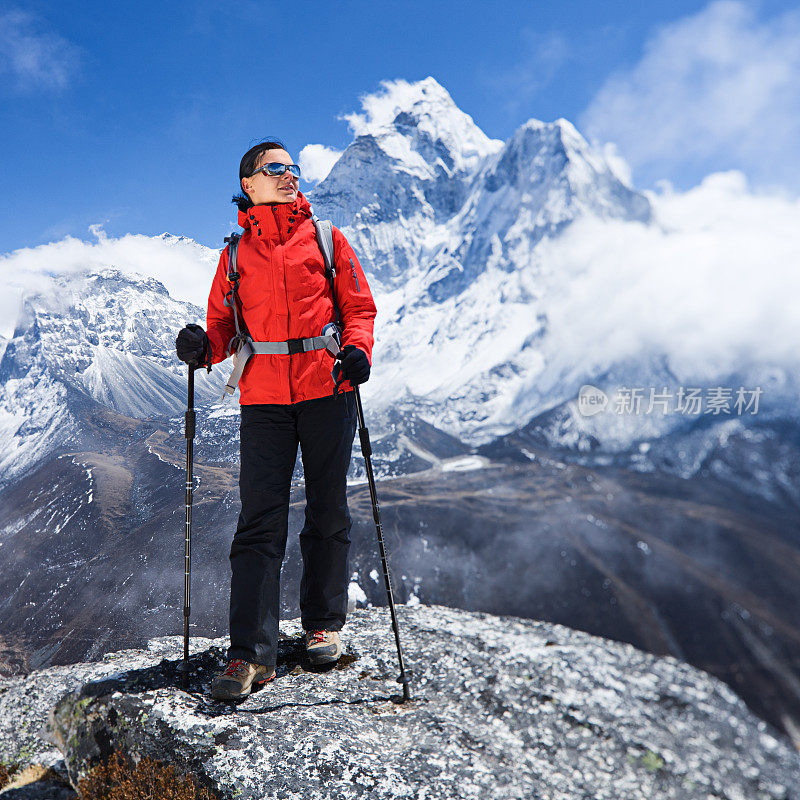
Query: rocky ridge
{"x": 501, "y": 707}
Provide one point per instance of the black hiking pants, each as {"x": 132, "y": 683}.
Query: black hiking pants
{"x": 269, "y": 435}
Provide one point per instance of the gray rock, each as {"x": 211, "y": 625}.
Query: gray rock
{"x": 501, "y": 707}
{"x": 50, "y": 786}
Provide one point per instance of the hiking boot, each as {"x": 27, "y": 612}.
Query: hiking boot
{"x": 238, "y": 679}
{"x": 323, "y": 647}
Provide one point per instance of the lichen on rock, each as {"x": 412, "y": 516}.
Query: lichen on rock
{"x": 501, "y": 708}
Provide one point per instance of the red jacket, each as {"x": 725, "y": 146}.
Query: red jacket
{"x": 285, "y": 294}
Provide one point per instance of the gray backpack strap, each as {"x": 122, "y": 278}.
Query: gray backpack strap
{"x": 233, "y": 279}
{"x": 240, "y": 359}
{"x": 325, "y": 239}
{"x": 324, "y": 228}
{"x": 233, "y": 249}
{"x": 239, "y": 345}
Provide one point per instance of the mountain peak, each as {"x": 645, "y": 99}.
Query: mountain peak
{"x": 414, "y": 155}
{"x": 555, "y": 155}
{"x": 396, "y": 98}
{"x": 401, "y": 114}
{"x": 560, "y": 129}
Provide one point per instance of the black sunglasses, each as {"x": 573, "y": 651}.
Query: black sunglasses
{"x": 275, "y": 168}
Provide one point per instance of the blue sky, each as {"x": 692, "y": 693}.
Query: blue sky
{"x": 134, "y": 116}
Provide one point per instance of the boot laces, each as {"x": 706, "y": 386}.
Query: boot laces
{"x": 236, "y": 667}
{"x": 319, "y": 636}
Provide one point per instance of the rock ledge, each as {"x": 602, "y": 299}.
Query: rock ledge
{"x": 502, "y": 708}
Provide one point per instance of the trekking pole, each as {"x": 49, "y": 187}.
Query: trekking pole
{"x": 333, "y": 347}
{"x": 187, "y": 556}
{"x": 366, "y": 451}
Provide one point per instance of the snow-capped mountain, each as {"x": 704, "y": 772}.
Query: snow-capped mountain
{"x": 422, "y": 189}
{"x": 101, "y": 337}
{"x": 485, "y": 333}
{"x": 448, "y": 222}
{"x": 412, "y": 162}
{"x": 460, "y": 236}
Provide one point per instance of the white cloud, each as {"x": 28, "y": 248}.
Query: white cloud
{"x": 34, "y": 58}
{"x": 711, "y": 284}
{"x": 716, "y": 90}
{"x": 617, "y": 164}
{"x": 316, "y": 161}
{"x": 185, "y": 267}
{"x": 380, "y": 108}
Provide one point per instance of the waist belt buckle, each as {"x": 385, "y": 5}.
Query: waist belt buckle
{"x": 295, "y": 346}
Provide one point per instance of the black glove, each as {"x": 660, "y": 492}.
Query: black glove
{"x": 354, "y": 364}
{"x": 192, "y": 345}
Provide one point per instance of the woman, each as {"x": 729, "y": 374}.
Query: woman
{"x": 286, "y": 399}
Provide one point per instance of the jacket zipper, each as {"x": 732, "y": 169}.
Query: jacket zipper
{"x": 353, "y": 267}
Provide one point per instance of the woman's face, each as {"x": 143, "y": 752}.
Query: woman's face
{"x": 263, "y": 188}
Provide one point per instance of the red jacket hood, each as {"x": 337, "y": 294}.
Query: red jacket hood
{"x": 275, "y": 220}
